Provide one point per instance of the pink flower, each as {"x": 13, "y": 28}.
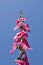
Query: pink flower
{"x": 26, "y": 59}
{"x": 20, "y": 62}
{"x": 27, "y": 46}
{"x": 22, "y": 19}
{"x": 24, "y": 46}
{"x": 20, "y": 25}
{"x": 27, "y": 28}
{"x": 21, "y": 34}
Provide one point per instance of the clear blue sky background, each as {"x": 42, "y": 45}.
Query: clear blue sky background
{"x": 9, "y": 12}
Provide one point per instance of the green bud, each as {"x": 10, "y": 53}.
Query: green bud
{"x": 21, "y": 14}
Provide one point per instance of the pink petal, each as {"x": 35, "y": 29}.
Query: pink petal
{"x": 27, "y": 28}
{"x": 26, "y": 59}
{"x": 27, "y": 25}
{"x": 17, "y": 22}
{"x": 15, "y": 37}
{"x": 26, "y": 42}
{"x": 11, "y": 51}
{"x": 14, "y": 46}
{"x": 15, "y": 28}
{"x": 22, "y": 19}
{"x": 20, "y": 34}
{"x": 23, "y": 46}
{"x": 30, "y": 48}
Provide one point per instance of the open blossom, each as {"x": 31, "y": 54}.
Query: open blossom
{"x": 27, "y": 28}
{"x": 18, "y": 22}
{"x": 24, "y": 61}
{"x": 21, "y": 34}
{"x": 20, "y": 25}
{"x": 17, "y": 26}
{"x": 26, "y": 43}
{"x": 24, "y": 46}
{"x": 20, "y": 62}
{"x": 22, "y": 19}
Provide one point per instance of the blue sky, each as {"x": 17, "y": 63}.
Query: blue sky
{"x": 9, "y": 12}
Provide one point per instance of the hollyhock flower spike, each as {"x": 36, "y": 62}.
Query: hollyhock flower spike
{"x": 20, "y": 40}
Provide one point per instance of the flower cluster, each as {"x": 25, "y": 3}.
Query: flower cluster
{"x": 20, "y": 41}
